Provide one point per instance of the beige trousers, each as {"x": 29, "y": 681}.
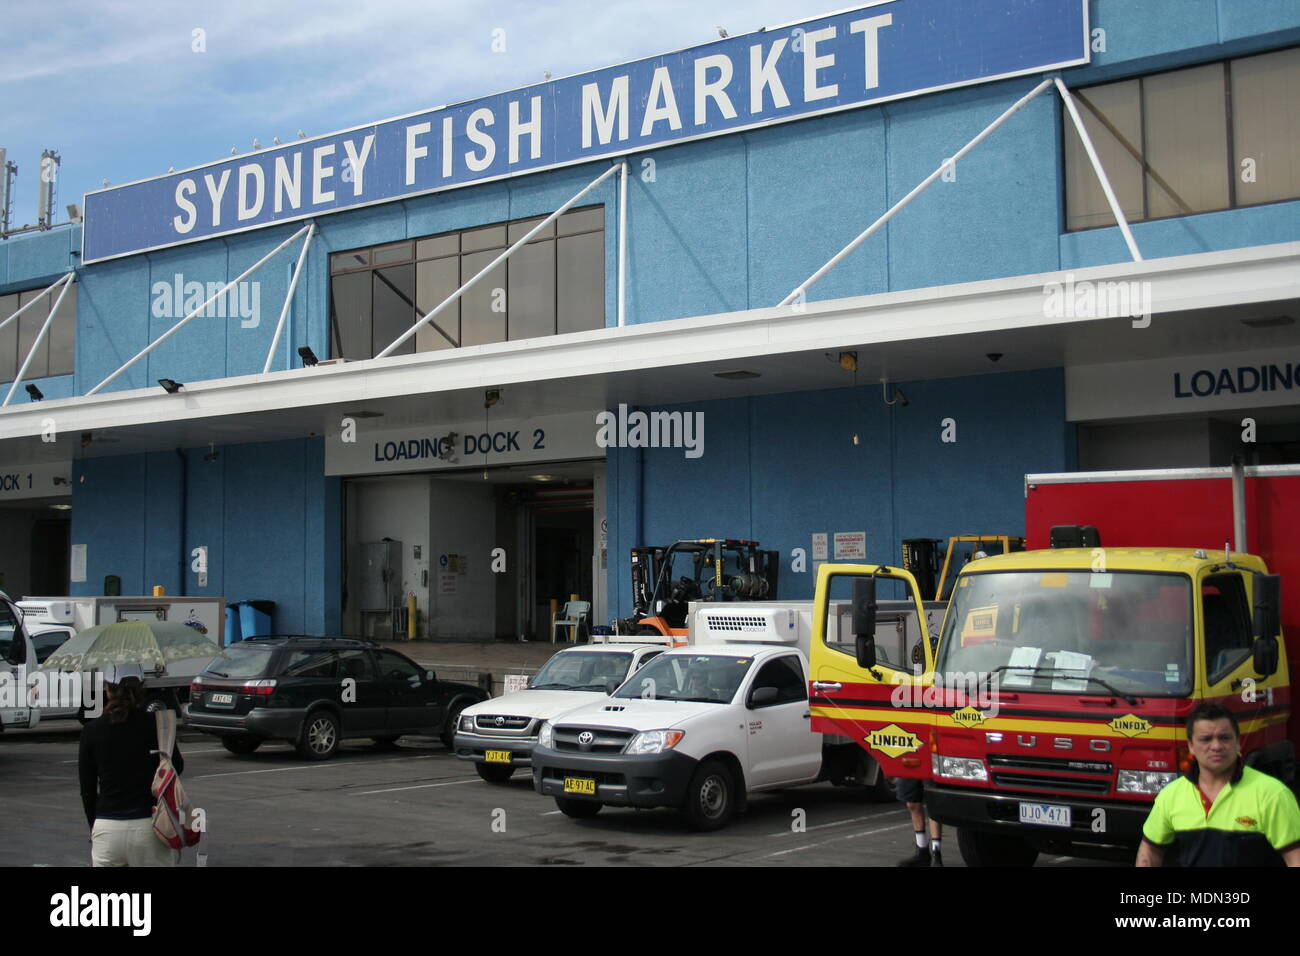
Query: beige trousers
{"x": 128, "y": 843}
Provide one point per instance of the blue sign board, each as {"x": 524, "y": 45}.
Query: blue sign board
{"x": 884, "y": 51}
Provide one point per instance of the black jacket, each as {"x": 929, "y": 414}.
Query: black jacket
{"x": 117, "y": 764}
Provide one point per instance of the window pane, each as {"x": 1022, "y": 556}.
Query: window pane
{"x": 479, "y": 323}
{"x": 63, "y": 336}
{"x": 581, "y": 282}
{"x": 438, "y": 246}
{"x": 520, "y": 229}
{"x": 531, "y": 302}
{"x": 29, "y": 326}
{"x": 582, "y": 220}
{"x": 434, "y": 281}
{"x": 350, "y": 316}
{"x": 1113, "y": 118}
{"x": 489, "y": 237}
{"x": 394, "y": 308}
{"x": 1186, "y": 141}
{"x": 1266, "y": 125}
{"x": 8, "y": 339}
{"x": 342, "y": 261}
{"x": 397, "y": 252}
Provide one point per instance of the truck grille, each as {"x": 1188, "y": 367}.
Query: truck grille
{"x": 1049, "y": 774}
{"x": 603, "y": 740}
{"x": 500, "y": 724}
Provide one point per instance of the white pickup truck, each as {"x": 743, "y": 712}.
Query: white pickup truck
{"x": 498, "y": 735}
{"x": 701, "y": 727}
{"x": 17, "y": 660}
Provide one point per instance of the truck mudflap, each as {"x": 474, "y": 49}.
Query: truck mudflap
{"x": 1096, "y": 822}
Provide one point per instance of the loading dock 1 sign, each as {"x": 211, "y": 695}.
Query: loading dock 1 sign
{"x": 850, "y": 546}
{"x": 35, "y": 481}
{"x": 441, "y": 447}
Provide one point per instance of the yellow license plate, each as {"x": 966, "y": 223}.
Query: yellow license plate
{"x": 496, "y": 756}
{"x": 580, "y": 785}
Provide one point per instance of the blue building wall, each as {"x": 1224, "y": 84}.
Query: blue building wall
{"x": 779, "y": 468}
{"x": 267, "y": 514}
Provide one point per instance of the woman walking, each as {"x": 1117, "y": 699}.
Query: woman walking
{"x": 117, "y": 763}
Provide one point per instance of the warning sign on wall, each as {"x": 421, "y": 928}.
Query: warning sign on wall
{"x": 850, "y": 546}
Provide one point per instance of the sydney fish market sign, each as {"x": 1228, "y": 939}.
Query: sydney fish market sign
{"x": 883, "y": 51}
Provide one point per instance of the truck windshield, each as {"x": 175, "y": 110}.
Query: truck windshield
{"x": 1074, "y": 632}
{"x": 578, "y": 670}
{"x": 708, "y": 678}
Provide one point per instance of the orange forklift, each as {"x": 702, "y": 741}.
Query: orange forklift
{"x": 666, "y": 580}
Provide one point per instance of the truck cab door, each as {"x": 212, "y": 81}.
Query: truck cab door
{"x": 17, "y": 660}
{"x": 879, "y": 705}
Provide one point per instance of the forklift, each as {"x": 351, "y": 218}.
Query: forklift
{"x": 921, "y": 559}
{"x": 666, "y": 580}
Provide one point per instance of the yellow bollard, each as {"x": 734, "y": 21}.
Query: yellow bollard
{"x": 410, "y": 616}
{"x": 159, "y": 591}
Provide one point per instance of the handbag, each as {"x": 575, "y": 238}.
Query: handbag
{"x": 172, "y": 821}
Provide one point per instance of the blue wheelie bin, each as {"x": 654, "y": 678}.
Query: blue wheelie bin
{"x": 255, "y": 618}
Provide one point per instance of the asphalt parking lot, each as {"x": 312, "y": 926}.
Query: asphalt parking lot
{"x": 418, "y": 806}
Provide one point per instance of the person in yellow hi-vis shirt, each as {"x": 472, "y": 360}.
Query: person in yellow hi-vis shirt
{"x": 1222, "y": 813}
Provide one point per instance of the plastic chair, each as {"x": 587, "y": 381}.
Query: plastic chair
{"x": 573, "y": 616}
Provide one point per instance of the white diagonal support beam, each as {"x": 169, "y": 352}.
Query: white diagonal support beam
{"x": 288, "y": 299}
{"x": 44, "y": 292}
{"x": 40, "y": 337}
{"x": 212, "y": 298}
{"x": 866, "y": 234}
{"x": 496, "y": 262}
{"x": 1115, "y": 209}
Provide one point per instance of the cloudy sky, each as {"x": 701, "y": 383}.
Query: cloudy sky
{"x": 124, "y": 90}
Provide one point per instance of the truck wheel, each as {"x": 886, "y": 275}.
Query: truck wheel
{"x": 448, "y": 735}
{"x": 578, "y": 809}
{"x": 158, "y": 702}
{"x": 241, "y": 743}
{"x": 979, "y": 848}
{"x": 711, "y": 797}
{"x": 320, "y": 736}
{"x": 495, "y": 773}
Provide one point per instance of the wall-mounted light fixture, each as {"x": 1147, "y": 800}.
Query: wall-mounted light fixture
{"x": 307, "y": 355}
{"x": 35, "y": 393}
{"x": 170, "y": 385}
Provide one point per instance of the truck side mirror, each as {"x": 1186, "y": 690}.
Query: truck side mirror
{"x": 1268, "y": 605}
{"x": 1265, "y": 656}
{"x": 864, "y": 621}
{"x": 762, "y": 696}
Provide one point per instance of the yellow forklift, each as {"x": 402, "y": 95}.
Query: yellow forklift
{"x": 920, "y": 558}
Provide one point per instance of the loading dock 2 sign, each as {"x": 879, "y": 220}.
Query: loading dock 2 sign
{"x": 440, "y": 447}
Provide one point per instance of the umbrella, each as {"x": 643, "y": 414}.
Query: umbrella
{"x": 151, "y": 644}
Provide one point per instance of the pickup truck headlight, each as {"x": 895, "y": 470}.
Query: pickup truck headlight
{"x": 958, "y": 768}
{"x": 654, "y": 741}
{"x": 1143, "y": 781}
{"x": 544, "y": 735}
{"x": 466, "y": 724}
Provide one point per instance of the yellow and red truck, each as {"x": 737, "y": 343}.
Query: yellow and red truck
{"x": 1051, "y": 708}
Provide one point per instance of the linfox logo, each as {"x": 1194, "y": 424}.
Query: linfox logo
{"x": 1098, "y": 300}
{"x": 651, "y": 430}
{"x": 893, "y": 741}
{"x": 179, "y": 298}
{"x": 1130, "y": 725}
{"x": 968, "y": 717}
{"x": 75, "y": 909}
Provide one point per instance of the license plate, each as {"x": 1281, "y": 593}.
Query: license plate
{"x": 1045, "y": 814}
{"x": 580, "y": 785}
{"x": 496, "y": 756}
{"x": 221, "y": 700}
